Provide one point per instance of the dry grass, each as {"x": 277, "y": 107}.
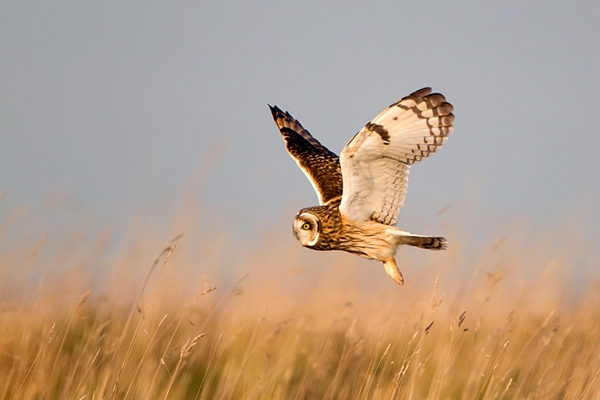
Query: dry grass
{"x": 296, "y": 325}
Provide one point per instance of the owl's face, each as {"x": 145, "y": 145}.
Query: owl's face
{"x": 307, "y": 229}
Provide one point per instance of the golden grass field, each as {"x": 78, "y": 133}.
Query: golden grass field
{"x": 277, "y": 321}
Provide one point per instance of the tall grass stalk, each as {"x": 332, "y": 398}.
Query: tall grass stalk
{"x": 299, "y": 325}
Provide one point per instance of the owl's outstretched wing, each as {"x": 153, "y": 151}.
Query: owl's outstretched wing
{"x": 376, "y": 162}
{"x": 321, "y": 166}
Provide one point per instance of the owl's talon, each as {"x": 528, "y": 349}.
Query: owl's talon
{"x": 392, "y": 270}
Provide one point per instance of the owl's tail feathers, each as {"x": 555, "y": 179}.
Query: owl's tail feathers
{"x": 392, "y": 270}
{"x": 423, "y": 242}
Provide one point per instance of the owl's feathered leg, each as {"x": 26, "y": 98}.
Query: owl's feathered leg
{"x": 392, "y": 270}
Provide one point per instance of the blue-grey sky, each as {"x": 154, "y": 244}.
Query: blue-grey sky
{"x": 114, "y": 108}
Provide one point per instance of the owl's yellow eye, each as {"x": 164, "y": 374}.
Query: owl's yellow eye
{"x": 306, "y": 226}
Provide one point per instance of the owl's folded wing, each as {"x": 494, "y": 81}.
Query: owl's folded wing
{"x": 321, "y": 166}
{"x": 376, "y": 162}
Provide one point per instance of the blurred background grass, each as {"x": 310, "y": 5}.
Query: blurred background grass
{"x": 127, "y": 124}
{"x": 159, "y": 315}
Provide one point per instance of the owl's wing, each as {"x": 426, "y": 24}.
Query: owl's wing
{"x": 321, "y": 166}
{"x": 376, "y": 162}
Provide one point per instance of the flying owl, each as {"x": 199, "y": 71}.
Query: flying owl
{"x": 362, "y": 191}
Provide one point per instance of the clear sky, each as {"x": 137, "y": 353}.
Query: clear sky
{"x": 115, "y": 108}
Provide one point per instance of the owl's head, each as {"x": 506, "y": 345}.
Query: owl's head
{"x": 307, "y": 228}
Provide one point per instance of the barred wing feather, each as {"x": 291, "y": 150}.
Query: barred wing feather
{"x": 376, "y": 162}
{"x": 321, "y": 166}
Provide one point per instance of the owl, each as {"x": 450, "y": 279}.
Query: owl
{"x": 362, "y": 191}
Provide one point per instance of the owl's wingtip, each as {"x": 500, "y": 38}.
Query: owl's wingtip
{"x": 275, "y": 111}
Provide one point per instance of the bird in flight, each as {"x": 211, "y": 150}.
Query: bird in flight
{"x": 362, "y": 191}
